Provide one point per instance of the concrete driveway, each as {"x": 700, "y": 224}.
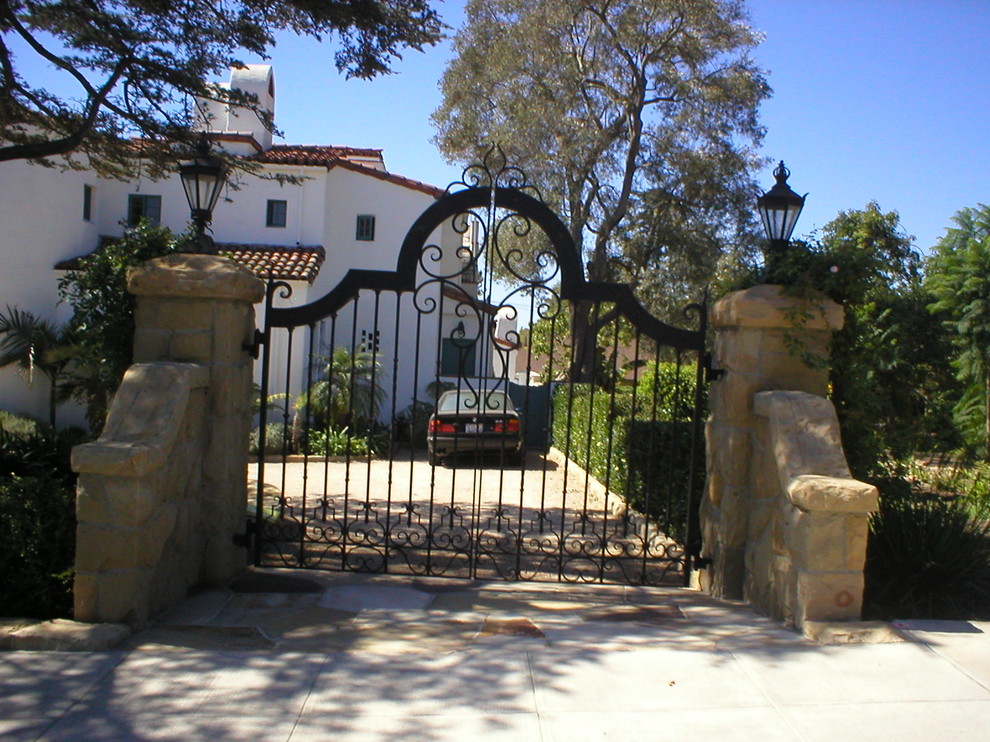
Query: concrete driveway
{"x": 549, "y": 481}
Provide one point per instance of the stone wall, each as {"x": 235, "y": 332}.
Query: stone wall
{"x": 808, "y": 522}
{"x": 161, "y": 495}
{"x": 758, "y": 524}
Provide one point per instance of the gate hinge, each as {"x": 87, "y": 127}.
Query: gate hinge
{"x": 253, "y": 347}
{"x": 712, "y": 374}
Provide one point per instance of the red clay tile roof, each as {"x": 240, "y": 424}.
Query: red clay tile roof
{"x": 390, "y": 178}
{"x": 337, "y": 156}
{"x": 316, "y": 155}
{"x": 300, "y": 263}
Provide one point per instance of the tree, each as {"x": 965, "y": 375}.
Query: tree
{"x": 136, "y": 64}
{"x": 102, "y": 321}
{"x": 959, "y": 279}
{"x": 35, "y": 344}
{"x": 887, "y": 370}
{"x": 613, "y": 108}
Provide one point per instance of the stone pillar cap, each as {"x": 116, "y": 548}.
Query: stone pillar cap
{"x": 770, "y": 306}
{"x": 191, "y": 276}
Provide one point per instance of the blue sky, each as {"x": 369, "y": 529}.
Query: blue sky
{"x": 882, "y": 100}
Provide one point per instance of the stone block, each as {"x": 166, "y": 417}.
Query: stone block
{"x": 732, "y": 403}
{"x": 189, "y": 275}
{"x": 84, "y": 595}
{"x": 738, "y": 350}
{"x": 832, "y": 494}
{"x": 804, "y": 431}
{"x": 768, "y": 305}
{"x": 231, "y": 390}
{"x": 194, "y": 346}
{"x": 156, "y": 533}
{"x": 735, "y": 516}
{"x": 112, "y": 596}
{"x": 151, "y": 345}
{"x": 828, "y": 596}
{"x": 101, "y": 547}
{"x": 143, "y": 422}
{"x": 119, "y": 501}
{"x": 184, "y": 314}
{"x": 827, "y": 542}
{"x": 728, "y": 571}
{"x": 792, "y": 372}
{"x": 63, "y": 635}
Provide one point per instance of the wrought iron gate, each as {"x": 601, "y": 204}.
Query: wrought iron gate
{"x": 489, "y": 296}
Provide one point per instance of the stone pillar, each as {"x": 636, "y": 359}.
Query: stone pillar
{"x": 765, "y": 340}
{"x": 200, "y": 309}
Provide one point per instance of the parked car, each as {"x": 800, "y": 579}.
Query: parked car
{"x": 468, "y": 421}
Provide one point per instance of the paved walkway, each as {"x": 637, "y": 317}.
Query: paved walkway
{"x": 304, "y": 656}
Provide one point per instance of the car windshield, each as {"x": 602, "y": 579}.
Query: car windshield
{"x": 467, "y": 401}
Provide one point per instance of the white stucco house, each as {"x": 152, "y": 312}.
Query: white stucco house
{"x": 348, "y": 212}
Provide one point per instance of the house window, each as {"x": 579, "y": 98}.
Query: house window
{"x": 276, "y": 214}
{"x": 141, "y": 207}
{"x": 365, "y": 227}
{"x": 88, "y": 203}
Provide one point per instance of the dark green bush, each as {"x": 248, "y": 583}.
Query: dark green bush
{"x": 37, "y": 524}
{"x": 637, "y": 443}
{"x": 928, "y": 556}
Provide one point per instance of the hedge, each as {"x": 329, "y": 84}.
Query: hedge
{"x": 640, "y": 441}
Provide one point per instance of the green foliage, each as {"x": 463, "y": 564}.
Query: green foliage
{"x": 103, "y": 313}
{"x": 888, "y": 376}
{"x": 131, "y": 67}
{"x": 637, "y": 444}
{"x": 928, "y": 556}
{"x": 342, "y": 443}
{"x": 37, "y": 523}
{"x": 958, "y": 277}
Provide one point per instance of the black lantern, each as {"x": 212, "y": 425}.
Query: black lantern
{"x": 202, "y": 179}
{"x": 779, "y": 210}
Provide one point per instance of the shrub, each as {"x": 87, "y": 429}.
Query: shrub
{"x": 341, "y": 443}
{"x": 37, "y": 523}
{"x": 637, "y": 443}
{"x": 928, "y": 555}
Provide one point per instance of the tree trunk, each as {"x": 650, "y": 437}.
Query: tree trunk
{"x": 583, "y": 337}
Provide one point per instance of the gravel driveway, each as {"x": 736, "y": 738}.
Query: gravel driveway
{"x": 548, "y": 519}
